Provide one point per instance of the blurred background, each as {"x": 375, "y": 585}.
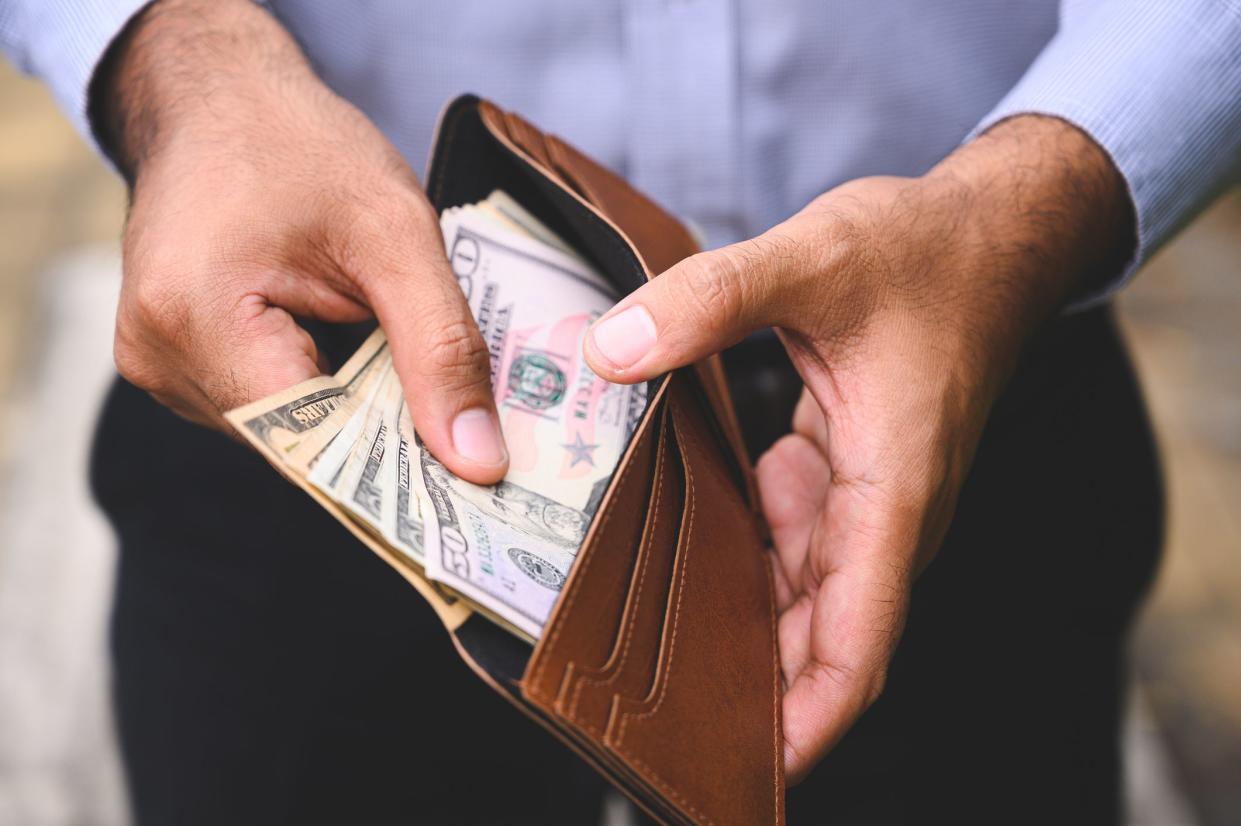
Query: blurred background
{"x": 60, "y": 218}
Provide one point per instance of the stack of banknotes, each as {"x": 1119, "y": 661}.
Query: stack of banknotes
{"x": 505, "y": 549}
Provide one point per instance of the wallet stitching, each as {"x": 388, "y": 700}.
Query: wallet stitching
{"x": 775, "y": 658}
{"x": 676, "y": 614}
{"x": 637, "y": 601}
{"x": 668, "y": 790}
{"x": 624, "y": 657}
{"x": 775, "y": 654}
{"x": 654, "y": 775}
{"x": 572, "y": 597}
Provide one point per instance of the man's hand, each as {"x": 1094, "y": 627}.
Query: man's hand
{"x": 903, "y": 304}
{"x": 260, "y": 196}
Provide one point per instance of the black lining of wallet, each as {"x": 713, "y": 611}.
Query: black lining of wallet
{"x": 468, "y": 163}
{"x": 492, "y": 165}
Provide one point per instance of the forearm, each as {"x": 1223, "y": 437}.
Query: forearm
{"x": 1033, "y": 212}
{"x": 1045, "y": 204}
{"x": 186, "y": 70}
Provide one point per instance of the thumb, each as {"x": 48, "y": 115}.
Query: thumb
{"x": 202, "y": 373}
{"x": 439, "y": 355}
{"x": 700, "y": 306}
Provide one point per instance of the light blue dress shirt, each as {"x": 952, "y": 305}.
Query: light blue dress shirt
{"x": 735, "y": 113}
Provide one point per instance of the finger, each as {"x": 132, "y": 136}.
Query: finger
{"x": 313, "y": 296}
{"x": 203, "y": 361}
{"x": 792, "y": 631}
{"x": 793, "y": 479}
{"x": 698, "y": 307}
{"x": 809, "y": 421}
{"x": 438, "y": 352}
{"x": 859, "y": 610}
{"x": 263, "y": 352}
{"x": 785, "y": 594}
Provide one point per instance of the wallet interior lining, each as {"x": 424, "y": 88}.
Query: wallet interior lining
{"x": 471, "y": 162}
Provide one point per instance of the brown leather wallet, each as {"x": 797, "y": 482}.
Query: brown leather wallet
{"x": 658, "y": 663}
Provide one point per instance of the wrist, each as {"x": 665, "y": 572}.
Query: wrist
{"x": 182, "y": 68}
{"x": 1044, "y": 217}
{"x": 1046, "y": 206}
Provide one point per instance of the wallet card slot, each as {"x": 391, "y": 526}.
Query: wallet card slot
{"x": 587, "y": 615}
{"x": 636, "y": 789}
{"x": 586, "y": 697}
{"x": 717, "y": 684}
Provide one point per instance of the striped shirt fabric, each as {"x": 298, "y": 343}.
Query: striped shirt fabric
{"x": 736, "y": 113}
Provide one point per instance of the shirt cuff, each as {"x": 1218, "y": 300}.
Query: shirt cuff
{"x": 1156, "y": 84}
{"x": 62, "y": 41}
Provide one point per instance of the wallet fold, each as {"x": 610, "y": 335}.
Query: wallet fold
{"x": 659, "y": 662}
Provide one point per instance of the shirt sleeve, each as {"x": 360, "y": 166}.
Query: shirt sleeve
{"x": 1157, "y": 84}
{"x": 61, "y": 42}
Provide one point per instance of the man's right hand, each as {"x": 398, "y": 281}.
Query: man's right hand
{"x": 259, "y": 195}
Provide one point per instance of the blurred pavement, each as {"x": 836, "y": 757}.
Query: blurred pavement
{"x": 57, "y": 748}
{"x": 1183, "y": 320}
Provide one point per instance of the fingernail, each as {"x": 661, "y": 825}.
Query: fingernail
{"x": 626, "y": 337}
{"x": 476, "y": 436}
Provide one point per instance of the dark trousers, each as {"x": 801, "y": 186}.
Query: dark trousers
{"x": 270, "y": 670}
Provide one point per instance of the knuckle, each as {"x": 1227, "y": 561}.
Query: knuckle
{"x": 369, "y": 222}
{"x": 457, "y": 356}
{"x": 712, "y": 288}
{"x": 771, "y": 254}
{"x": 839, "y": 678}
{"x": 135, "y": 365}
{"x": 157, "y": 300}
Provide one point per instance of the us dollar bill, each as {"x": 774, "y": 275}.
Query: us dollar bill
{"x": 509, "y": 547}
{"x": 366, "y": 481}
{"x": 278, "y": 424}
{"x": 328, "y": 471}
{"x": 500, "y": 208}
{"x": 503, "y": 547}
{"x": 565, "y": 427}
{"x": 402, "y": 518}
{"x": 359, "y": 485}
{"x": 363, "y": 376}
